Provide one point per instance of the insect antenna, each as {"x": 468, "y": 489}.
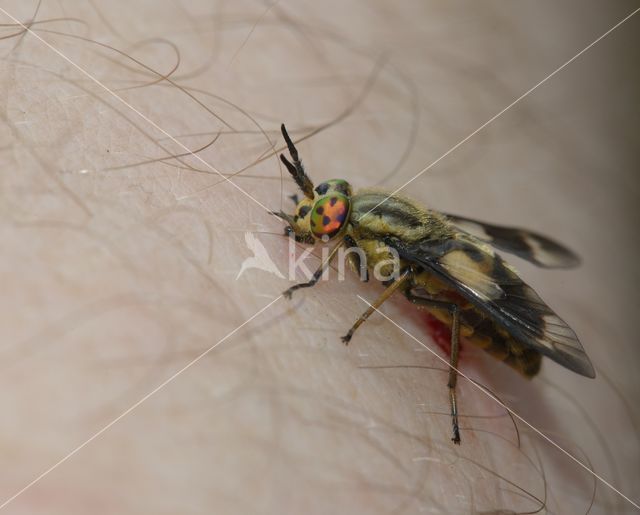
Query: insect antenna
{"x": 296, "y": 169}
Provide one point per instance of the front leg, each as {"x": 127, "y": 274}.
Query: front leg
{"x": 316, "y": 275}
{"x": 359, "y": 263}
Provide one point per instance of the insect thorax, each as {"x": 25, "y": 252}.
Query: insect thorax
{"x": 376, "y": 215}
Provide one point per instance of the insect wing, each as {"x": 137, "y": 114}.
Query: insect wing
{"x": 484, "y": 279}
{"x": 531, "y": 246}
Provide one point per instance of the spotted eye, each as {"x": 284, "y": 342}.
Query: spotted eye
{"x": 329, "y": 214}
{"x": 304, "y": 211}
{"x": 339, "y": 185}
{"x": 322, "y": 188}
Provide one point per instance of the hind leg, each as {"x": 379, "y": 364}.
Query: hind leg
{"x": 454, "y": 310}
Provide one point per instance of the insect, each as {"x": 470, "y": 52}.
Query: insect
{"x": 447, "y": 266}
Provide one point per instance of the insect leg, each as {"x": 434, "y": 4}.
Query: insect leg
{"x": 359, "y": 263}
{"x": 455, "y": 351}
{"x": 400, "y": 282}
{"x": 296, "y": 169}
{"x": 317, "y": 274}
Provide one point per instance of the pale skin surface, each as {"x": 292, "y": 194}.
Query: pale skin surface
{"x": 117, "y": 275}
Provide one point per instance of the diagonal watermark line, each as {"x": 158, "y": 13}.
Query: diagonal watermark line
{"x": 493, "y": 397}
{"x": 500, "y": 113}
{"x": 127, "y": 104}
{"x": 136, "y": 404}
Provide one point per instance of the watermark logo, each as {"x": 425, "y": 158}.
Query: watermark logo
{"x": 260, "y": 258}
{"x": 385, "y": 265}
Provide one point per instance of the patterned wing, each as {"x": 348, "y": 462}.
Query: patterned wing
{"x": 488, "y": 282}
{"x": 535, "y": 248}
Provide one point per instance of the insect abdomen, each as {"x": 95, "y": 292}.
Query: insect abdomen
{"x": 484, "y": 333}
{"x": 502, "y": 346}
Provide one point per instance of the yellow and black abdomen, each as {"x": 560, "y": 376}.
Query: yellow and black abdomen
{"x": 478, "y": 328}
{"x": 483, "y": 332}
{"x": 500, "y": 344}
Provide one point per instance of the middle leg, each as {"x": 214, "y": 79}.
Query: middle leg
{"x": 402, "y": 281}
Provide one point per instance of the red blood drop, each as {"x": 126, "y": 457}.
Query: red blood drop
{"x": 440, "y": 332}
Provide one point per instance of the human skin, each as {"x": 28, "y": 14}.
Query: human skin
{"x": 119, "y": 269}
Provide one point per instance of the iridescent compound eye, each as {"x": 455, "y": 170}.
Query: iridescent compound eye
{"x": 338, "y": 185}
{"x": 329, "y": 214}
